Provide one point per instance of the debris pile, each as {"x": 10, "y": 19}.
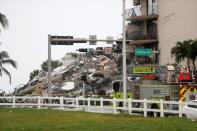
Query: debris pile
{"x": 96, "y": 71}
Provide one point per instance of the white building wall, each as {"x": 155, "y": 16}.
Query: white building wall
{"x": 177, "y": 22}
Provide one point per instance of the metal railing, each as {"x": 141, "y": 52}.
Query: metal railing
{"x": 137, "y": 11}
{"x": 138, "y": 35}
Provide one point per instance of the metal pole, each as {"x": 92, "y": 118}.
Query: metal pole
{"x": 84, "y": 40}
{"x": 83, "y": 90}
{"x": 49, "y": 65}
{"x": 124, "y": 56}
{"x": 84, "y": 94}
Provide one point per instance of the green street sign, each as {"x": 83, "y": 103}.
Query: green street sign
{"x": 143, "y": 52}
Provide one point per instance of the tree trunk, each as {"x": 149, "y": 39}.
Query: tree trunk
{"x": 188, "y": 64}
{"x": 195, "y": 74}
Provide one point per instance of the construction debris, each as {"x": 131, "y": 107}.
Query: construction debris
{"x": 99, "y": 69}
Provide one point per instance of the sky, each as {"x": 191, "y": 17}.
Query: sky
{"x": 31, "y": 21}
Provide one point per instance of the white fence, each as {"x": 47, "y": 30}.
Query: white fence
{"x": 94, "y": 104}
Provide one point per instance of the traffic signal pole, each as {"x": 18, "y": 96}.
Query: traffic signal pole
{"x": 49, "y": 66}
{"x": 84, "y": 40}
{"x": 66, "y": 40}
{"x": 53, "y": 40}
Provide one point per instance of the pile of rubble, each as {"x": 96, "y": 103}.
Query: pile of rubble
{"x": 99, "y": 71}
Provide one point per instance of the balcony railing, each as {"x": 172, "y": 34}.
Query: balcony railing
{"x": 138, "y": 35}
{"x": 137, "y": 11}
{"x": 152, "y": 9}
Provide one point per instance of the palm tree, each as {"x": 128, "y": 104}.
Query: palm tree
{"x": 4, "y": 57}
{"x": 182, "y": 52}
{"x": 33, "y": 74}
{"x": 186, "y": 50}
{"x": 194, "y": 56}
{"x": 3, "y": 21}
{"x": 5, "y": 60}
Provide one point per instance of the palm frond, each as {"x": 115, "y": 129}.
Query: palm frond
{"x": 3, "y": 20}
{"x": 194, "y": 50}
{"x": 5, "y": 60}
{"x": 182, "y": 51}
{"x": 0, "y": 71}
{"x": 4, "y": 55}
{"x": 9, "y": 62}
{"x": 7, "y": 73}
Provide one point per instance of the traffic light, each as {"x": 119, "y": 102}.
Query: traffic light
{"x": 110, "y": 40}
{"x": 55, "y": 41}
{"x": 91, "y": 51}
{"x": 93, "y": 38}
{"x": 118, "y": 51}
{"x": 83, "y": 50}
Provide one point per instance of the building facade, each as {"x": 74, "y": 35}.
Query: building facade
{"x": 156, "y": 26}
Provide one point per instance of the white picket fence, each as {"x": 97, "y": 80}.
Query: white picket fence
{"x": 101, "y": 105}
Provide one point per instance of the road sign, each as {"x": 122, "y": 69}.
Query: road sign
{"x": 93, "y": 39}
{"x": 55, "y": 40}
{"x": 143, "y": 52}
{"x": 144, "y": 70}
{"x": 110, "y": 40}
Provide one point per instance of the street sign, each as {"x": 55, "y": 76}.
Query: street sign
{"x": 110, "y": 40}
{"x": 55, "y": 40}
{"x": 143, "y": 52}
{"x": 144, "y": 70}
{"x": 93, "y": 39}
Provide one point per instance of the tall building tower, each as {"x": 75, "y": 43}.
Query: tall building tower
{"x": 156, "y": 25}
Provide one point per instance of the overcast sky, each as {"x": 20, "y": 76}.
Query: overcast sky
{"x": 30, "y": 22}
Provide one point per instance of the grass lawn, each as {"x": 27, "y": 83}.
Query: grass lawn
{"x": 55, "y": 120}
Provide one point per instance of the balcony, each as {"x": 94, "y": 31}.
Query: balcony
{"x": 139, "y": 38}
{"x": 138, "y": 35}
{"x": 141, "y": 13}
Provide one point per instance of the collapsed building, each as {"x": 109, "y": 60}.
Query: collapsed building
{"x": 99, "y": 70}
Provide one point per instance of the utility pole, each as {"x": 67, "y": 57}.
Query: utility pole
{"x": 124, "y": 55}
